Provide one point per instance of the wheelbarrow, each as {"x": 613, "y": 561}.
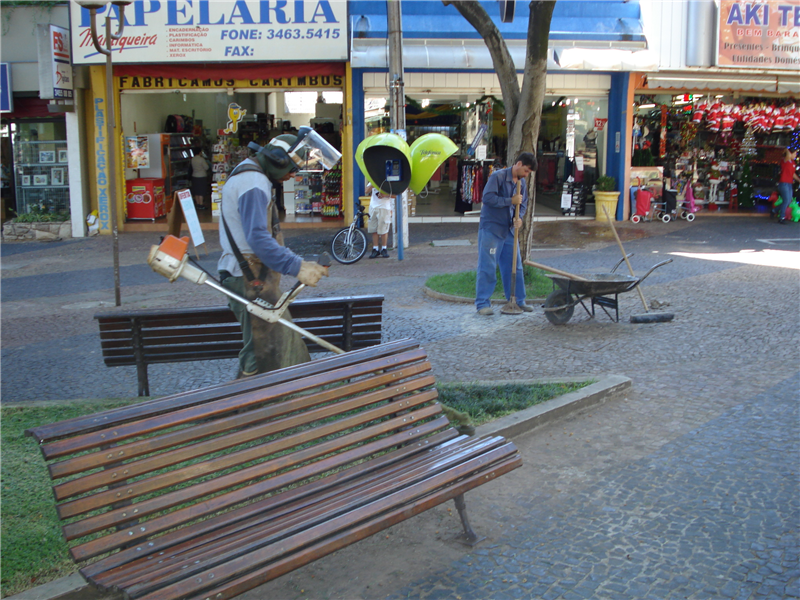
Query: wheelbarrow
{"x": 602, "y": 289}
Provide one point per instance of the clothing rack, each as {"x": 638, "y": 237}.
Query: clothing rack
{"x": 472, "y": 177}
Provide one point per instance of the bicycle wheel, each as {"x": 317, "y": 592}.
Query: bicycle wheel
{"x": 349, "y": 246}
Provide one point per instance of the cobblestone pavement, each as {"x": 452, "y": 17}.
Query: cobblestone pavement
{"x": 687, "y": 488}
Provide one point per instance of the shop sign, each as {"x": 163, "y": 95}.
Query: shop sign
{"x": 136, "y": 82}
{"x": 55, "y": 65}
{"x": 6, "y": 96}
{"x": 759, "y": 35}
{"x": 101, "y": 166}
{"x": 217, "y": 31}
{"x": 600, "y": 124}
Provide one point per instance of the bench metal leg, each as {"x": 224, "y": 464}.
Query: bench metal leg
{"x": 138, "y": 353}
{"x": 470, "y": 537}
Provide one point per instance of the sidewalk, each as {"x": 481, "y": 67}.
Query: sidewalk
{"x": 686, "y": 487}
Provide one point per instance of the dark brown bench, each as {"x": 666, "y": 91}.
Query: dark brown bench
{"x": 146, "y": 337}
{"x": 210, "y": 493}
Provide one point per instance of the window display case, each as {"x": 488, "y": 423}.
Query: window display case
{"x": 41, "y": 176}
{"x": 308, "y": 192}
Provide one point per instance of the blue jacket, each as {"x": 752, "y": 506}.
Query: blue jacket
{"x": 497, "y": 213}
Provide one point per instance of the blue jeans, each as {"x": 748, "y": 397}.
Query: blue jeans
{"x": 785, "y": 192}
{"x": 493, "y": 252}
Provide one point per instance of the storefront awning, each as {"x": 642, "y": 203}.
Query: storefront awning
{"x": 472, "y": 54}
{"x": 608, "y": 59}
{"x": 438, "y": 37}
{"x": 780, "y": 84}
{"x": 30, "y": 108}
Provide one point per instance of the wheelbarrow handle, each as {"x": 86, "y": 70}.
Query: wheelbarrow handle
{"x": 661, "y": 264}
{"x": 621, "y": 260}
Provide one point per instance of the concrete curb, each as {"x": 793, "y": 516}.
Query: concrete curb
{"x": 71, "y": 587}
{"x": 74, "y": 587}
{"x": 609, "y": 387}
{"x": 462, "y": 300}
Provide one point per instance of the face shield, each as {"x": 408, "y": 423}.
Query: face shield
{"x": 312, "y": 153}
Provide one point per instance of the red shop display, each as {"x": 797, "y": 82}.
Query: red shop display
{"x": 145, "y": 198}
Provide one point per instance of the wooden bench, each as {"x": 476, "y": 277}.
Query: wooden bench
{"x": 210, "y": 493}
{"x": 146, "y": 337}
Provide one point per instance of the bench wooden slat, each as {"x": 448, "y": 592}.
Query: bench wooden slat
{"x": 240, "y": 517}
{"x": 137, "y": 449}
{"x": 270, "y": 529}
{"x": 239, "y": 566}
{"x": 216, "y": 407}
{"x": 284, "y": 517}
{"x": 312, "y": 552}
{"x": 131, "y": 470}
{"x": 114, "y": 417}
{"x": 142, "y": 338}
{"x": 117, "y": 517}
{"x": 181, "y": 516}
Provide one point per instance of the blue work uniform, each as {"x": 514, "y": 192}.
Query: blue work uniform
{"x": 496, "y": 238}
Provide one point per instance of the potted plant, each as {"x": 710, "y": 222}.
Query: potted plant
{"x": 605, "y": 196}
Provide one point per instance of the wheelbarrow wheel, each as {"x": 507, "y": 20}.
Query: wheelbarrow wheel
{"x": 560, "y": 316}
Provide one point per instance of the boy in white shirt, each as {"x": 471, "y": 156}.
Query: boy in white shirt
{"x": 381, "y": 208}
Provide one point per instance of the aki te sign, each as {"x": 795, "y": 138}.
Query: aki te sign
{"x": 217, "y": 31}
{"x": 763, "y": 35}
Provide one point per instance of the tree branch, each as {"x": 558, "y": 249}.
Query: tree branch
{"x": 476, "y": 16}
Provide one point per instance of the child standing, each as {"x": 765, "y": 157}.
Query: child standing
{"x": 381, "y": 208}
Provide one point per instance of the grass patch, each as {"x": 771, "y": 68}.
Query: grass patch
{"x": 537, "y": 285}
{"x": 33, "y": 549}
{"x": 484, "y": 403}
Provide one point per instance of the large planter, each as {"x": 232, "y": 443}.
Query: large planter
{"x": 607, "y": 200}
{"x": 41, "y": 231}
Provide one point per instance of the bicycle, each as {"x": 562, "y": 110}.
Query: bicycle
{"x": 349, "y": 245}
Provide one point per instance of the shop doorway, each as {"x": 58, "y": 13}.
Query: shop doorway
{"x": 177, "y": 132}
{"x": 571, "y": 149}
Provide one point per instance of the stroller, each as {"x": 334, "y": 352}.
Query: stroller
{"x": 648, "y": 208}
{"x": 685, "y": 207}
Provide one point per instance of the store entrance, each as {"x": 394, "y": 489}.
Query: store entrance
{"x": 193, "y": 140}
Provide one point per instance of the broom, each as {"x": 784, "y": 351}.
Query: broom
{"x": 511, "y": 307}
{"x": 648, "y": 317}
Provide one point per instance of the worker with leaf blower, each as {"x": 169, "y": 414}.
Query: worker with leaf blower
{"x": 253, "y": 255}
{"x": 504, "y": 202}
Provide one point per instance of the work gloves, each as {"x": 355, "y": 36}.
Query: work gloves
{"x": 311, "y": 272}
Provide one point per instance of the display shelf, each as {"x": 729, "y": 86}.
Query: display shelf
{"x": 332, "y": 193}
{"x": 308, "y": 192}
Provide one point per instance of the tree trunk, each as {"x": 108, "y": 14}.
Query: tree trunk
{"x": 534, "y": 84}
{"x": 523, "y": 107}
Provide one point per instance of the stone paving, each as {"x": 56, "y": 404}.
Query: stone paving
{"x": 687, "y": 488}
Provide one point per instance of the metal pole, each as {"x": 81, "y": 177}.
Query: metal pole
{"x": 112, "y": 163}
{"x": 397, "y": 111}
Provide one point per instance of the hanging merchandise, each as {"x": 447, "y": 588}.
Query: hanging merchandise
{"x": 472, "y": 176}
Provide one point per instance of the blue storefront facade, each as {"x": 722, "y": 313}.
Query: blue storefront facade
{"x": 596, "y": 50}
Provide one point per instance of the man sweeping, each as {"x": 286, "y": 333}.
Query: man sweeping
{"x": 498, "y": 222}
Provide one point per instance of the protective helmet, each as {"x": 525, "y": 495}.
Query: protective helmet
{"x": 274, "y": 157}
